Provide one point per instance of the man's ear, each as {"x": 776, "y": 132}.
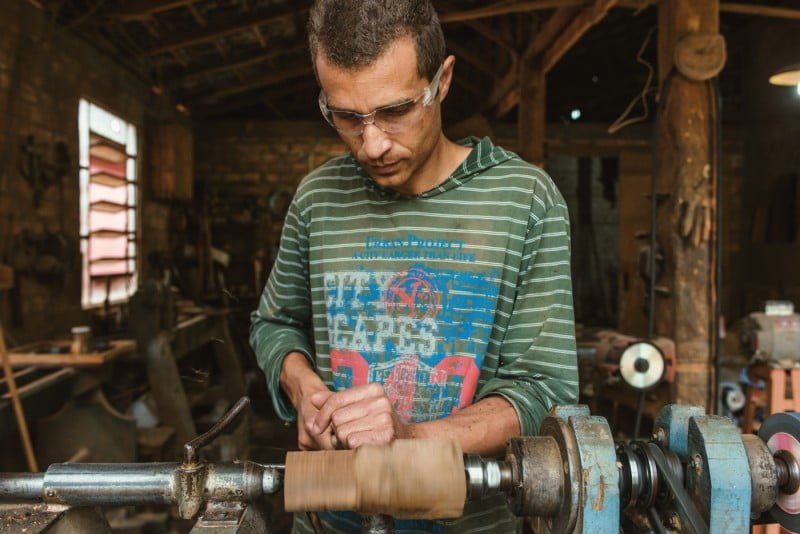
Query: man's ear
{"x": 447, "y": 77}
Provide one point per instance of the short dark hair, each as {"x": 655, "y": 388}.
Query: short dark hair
{"x": 354, "y": 33}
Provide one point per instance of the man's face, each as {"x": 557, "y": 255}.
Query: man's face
{"x": 397, "y": 161}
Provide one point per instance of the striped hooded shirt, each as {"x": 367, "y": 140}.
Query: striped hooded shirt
{"x": 445, "y": 298}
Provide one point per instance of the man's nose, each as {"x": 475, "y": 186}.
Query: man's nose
{"x": 375, "y": 142}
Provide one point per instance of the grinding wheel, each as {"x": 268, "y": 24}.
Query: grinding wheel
{"x": 642, "y": 365}
{"x": 780, "y": 432}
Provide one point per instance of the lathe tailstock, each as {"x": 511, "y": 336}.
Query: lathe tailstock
{"x": 697, "y": 474}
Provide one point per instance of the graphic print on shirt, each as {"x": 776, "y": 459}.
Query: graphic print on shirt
{"x": 421, "y": 332}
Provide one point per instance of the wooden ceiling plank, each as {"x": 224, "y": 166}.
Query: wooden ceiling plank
{"x": 551, "y": 29}
{"x": 504, "y": 8}
{"x": 586, "y": 18}
{"x": 473, "y": 59}
{"x": 730, "y": 7}
{"x": 142, "y": 9}
{"x": 198, "y": 17}
{"x": 763, "y": 11}
{"x": 272, "y": 78}
{"x": 260, "y": 36}
{"x": 242, "y": 23}
{"x": 235, "y": 63}
{"x": 242, "y": 101}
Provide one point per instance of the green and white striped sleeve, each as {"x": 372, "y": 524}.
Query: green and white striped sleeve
{"x": 280, "y": 323}
{"x": 538, "y": 360}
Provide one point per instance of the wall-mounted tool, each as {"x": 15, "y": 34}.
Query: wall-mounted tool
{"x": 39, "y": 170}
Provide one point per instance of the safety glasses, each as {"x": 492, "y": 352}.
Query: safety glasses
{"x": 391, "y": 119}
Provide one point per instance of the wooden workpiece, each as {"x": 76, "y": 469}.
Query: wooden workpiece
{"x": 407, "y": 479}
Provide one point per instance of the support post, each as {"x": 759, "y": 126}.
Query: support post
{"x": 683, "y": 170}
{"x": 531, "y": 117}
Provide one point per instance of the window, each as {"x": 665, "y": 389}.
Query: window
{"x": 108, "y": 200}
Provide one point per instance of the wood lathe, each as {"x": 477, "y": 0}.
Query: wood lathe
{"x": 698, "y": 473}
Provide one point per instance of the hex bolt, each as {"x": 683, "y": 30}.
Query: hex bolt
{"x": 660, "y": 436}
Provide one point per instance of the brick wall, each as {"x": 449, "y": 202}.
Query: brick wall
{"x": 44, "y": 71}
{"x": 246, "y": 167}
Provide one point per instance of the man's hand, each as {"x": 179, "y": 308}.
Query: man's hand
{"x": 307, "y": 438}
{"x": 360, "y": 415}
{"x": 300, "y": 383}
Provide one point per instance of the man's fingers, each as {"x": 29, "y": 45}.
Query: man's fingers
{"x": 377, "y": 424}
{"x": 369, "y": 437}
{"x": 344, "y": 398}
{"x": 319, "y": 398}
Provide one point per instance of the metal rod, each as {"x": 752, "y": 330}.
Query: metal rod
{"x": 190, "y": 449}
{"x": 22, "y": 486}
{"x": 110, "y": 484}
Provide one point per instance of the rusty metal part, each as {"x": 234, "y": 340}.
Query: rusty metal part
{"x": 537, "y": 476}
{"x": 82, "y": 485}
{"x": 190, "y": 456}
{"x": 763, "y": 474}
{"x": 567, "y": 516}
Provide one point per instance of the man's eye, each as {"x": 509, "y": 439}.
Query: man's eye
{"x": 396, "y": 111}
{"x": 346, "y": 117}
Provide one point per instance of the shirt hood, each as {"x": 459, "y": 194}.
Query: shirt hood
{"x": 484, "y": 155}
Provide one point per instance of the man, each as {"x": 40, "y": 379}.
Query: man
{"x": 434, "y": 275}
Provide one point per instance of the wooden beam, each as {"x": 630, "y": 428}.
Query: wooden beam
{"x": 233, "y": 63}
{"x": 730, "y": 7}
{"x": 531, "y": 113}
{"x": 242, "y": 23}
{"x": 142, "y": 9}
{"x": 242, "y": 101}
{"x": 504, "y": 8}
{"x": 260, "y": 37}
{"x": 588, "y": 17}
{"x": 198, "y": 17}
{"x": 272, "y": 78}
{"x": 472, "y": 58}
{"x": 550, "y": 30}
{"x": 685, "y": 169}
{"x": 762, "y": 11}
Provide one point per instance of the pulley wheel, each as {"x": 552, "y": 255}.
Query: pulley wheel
{"x": 642, "y": 365}
{"x": 780, "y": 432}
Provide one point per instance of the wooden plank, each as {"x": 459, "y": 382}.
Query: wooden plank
{"x": 6, "y": 277}
{"x": 25, "y": 356}
{"x": 272, "y": 78}
{"x": 730, "y": 7}
{"x": 588, "y": 17}
{"x": 143, "y": 9}
{"x": 232, "y": 64}
{"x": 472, "y": 58}
{"x": 242, "y": 23}
{"x": 504, "y": 8}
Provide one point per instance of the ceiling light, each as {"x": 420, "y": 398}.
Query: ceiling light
{"x": 787, "y": 76}
{"x": 575, "y": 114}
